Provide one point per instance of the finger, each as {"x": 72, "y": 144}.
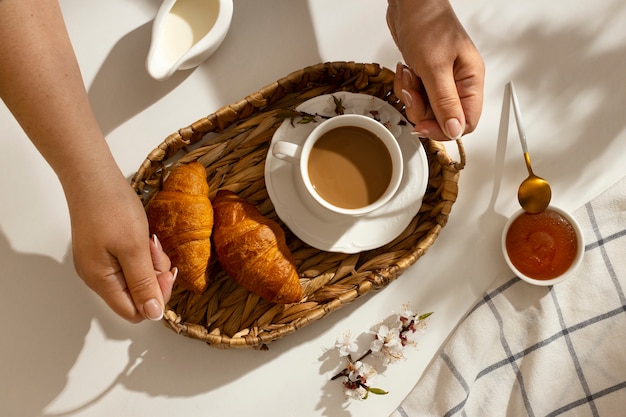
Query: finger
{"x": 445, "y": 102}
{"x": 470, "y": 90}
{"x": 160, "y": 260}
{"x": 408, "y": 87}
{"x": 429, "y": 128}
{"x": 405, "y": 78}
{"x": 113, "y": 290}
{"x": 166, "y": 275}
{"x": 142, "y": 282}
{"x": 166, "y": 282}
{"x": 397, "y": 82}
{"x": 418, "y": 111}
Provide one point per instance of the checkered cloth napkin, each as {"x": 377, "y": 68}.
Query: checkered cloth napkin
{"x": 524, "y": 350}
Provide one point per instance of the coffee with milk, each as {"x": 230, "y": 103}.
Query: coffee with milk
{"x": 350, "y": 167}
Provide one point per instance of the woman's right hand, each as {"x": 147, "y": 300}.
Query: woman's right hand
{"x": 442, "y": 82}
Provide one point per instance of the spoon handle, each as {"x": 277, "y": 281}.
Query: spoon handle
{"x": 518, "y": 117}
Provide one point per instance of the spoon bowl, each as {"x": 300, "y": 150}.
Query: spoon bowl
{"x": 534, "y": 193}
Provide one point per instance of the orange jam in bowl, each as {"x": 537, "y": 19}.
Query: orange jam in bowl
{"x": 542, "y": 248}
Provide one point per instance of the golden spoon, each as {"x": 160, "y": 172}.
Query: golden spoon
{"x": 534, "y": 192}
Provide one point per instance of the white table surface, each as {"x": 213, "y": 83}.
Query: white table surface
{"x": 63, "y": 352}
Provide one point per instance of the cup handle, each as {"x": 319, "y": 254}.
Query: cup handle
{"x": 287, "y": 151}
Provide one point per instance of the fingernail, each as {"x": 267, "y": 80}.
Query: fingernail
{"x": 399, "y": 67}
{"x": 420, "y": 134}
{"x": 407, "y": 76}
{"x": 153, "y": 310}
{"x": 454, "y": 130}
{"x": 175, "y": 273}
{"x": 156, "y": 241}
{"x": 407, "y": 98}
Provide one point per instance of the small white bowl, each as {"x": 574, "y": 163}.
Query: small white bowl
{"x": 575, "y": 263}
{"x": 185, "y": 33}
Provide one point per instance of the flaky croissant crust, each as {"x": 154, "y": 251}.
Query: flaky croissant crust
{"x": 181, "y": 216}
{"x": 253, "y": 251}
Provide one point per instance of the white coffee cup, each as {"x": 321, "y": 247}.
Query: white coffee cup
{"x": 349, "y": 165}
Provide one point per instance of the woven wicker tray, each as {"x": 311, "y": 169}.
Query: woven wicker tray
{"x": 232, "y": 144}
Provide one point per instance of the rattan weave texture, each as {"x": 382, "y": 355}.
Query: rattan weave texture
{"x": 232, "y": 144}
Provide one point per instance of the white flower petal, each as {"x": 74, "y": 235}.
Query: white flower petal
{"x": 376, "y": 346}
{"x": 346, "y": 344}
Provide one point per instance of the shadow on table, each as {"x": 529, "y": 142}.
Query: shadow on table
{"x": 259, "y": 45}
{"x": 122, "y": 88}
{"x": 47, "y": 316}
{"x": 47, "y": 313}
{"x": 177, "y": 368}
{"x": 334, "y": 399}
{"x": 561, "y": 72}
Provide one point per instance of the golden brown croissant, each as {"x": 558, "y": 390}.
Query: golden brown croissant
{"x": 253, "y": 250}
{"x": 181, "y": 216}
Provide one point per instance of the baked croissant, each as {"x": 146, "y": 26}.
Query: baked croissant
{"x": 253, "y": 250}
{"x": 181, "y": 216}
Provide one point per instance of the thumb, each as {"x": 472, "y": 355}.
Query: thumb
{"x": 445, "y": 103}
{"x": 143, "y": 285}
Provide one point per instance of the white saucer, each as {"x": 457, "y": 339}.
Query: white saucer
{"x": 345, "y": 234}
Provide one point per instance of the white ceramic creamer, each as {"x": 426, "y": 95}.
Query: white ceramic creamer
{"x": 185, "y": 33}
